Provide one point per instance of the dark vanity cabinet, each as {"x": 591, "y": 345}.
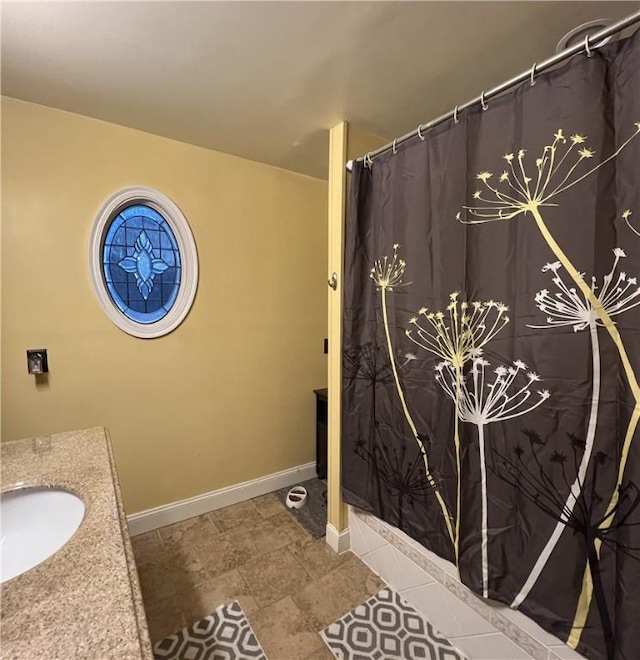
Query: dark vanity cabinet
{"x": 321, "y": 433}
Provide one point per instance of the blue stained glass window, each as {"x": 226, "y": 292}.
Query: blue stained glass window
{"x": 141, "y": 263}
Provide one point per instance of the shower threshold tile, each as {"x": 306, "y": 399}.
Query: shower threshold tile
{"x": 490, "y": 647}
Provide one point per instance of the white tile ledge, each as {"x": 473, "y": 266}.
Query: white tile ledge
{"x": 490, "y": 647}
{"x": 509, "y": 626}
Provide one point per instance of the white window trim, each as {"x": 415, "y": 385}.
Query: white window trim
{"x": 188, "y": 253}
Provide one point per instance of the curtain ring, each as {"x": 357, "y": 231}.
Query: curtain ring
{"x": 484, "y": 105}
{"x": 393, "y": 148}
{"x": 533, "y": 74}
{"x": 420, "y": 133}
{"x": 586, "y": 46}
{"x": 455, "y": 115}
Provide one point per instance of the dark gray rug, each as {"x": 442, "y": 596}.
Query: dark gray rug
{"x": 313, "y": 515}
{"x": 223, "y": 635}
{"x": 387, "y": 628}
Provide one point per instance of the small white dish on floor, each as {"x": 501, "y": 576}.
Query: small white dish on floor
{"x": 296, "y": 497}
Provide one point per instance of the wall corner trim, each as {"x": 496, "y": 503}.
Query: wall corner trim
{"x": 168, "y": 514}
{"x": 338, "y": 541}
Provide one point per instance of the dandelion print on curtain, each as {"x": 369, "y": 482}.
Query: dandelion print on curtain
{"x": 492, "y": 347}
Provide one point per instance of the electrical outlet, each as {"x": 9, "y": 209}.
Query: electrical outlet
{"x": 37, "y": 362}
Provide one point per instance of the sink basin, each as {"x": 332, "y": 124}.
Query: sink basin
{"x": 34, "y": 524}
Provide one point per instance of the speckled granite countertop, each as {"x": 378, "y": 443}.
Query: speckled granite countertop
{"x": 84, "y": 601}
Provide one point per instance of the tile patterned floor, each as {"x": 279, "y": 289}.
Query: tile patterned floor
{"x": 289, "y": 584}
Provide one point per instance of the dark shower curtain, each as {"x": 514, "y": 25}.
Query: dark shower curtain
{"x": 491, "y": 350}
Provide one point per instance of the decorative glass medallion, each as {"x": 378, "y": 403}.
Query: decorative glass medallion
{"x": 143, "y": 262}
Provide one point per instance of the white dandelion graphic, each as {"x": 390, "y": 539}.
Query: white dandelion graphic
{"x": 568, "y": 307}
{"x": 520, "y": 190}
{"x": 486, "y": 398}
{"x": 456, "y": 337}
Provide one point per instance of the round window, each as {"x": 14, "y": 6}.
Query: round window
{"x": 143, "y": 262}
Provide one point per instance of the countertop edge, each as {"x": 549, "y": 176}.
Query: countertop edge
{"x": 83, "y": 600}
{"x": 136, "y": 592}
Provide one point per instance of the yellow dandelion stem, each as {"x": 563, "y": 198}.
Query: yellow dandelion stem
{"x": 549, "y": 156}
{"x": 458, "y": 350}
{"x": 524, "y": 175}
{"x": 626, "y": 219}
{"x": 518, "y": 190}
{"x": 449, "y": 336}
{"x": 503, "y": 197}
{"x": 447, "y": 340}
{"x": 495, "y": 206}
{"x": 544, "y": 160}
{"x": 412, "y": 426}
{"x": 552, "y": 169}
{"x": 591, "y": 171}
{"x": 429, "y": 344}
{"x": 586, "y": 593}
{"x": 521, "y": 188}
{"x": 566, "y": 178}
{"x": 455, "y": 336}
{"x": 456, "y": 442}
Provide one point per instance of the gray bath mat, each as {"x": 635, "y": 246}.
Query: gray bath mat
{"x": 223, "y": 635}
{"x": 387, "y": 628}
{"x": 313, "y": 515}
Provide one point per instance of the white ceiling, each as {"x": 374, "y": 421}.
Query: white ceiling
{"x": 265, "y": 80}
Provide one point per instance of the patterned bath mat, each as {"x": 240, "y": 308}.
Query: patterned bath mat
{"x": 223, "y": 635}
{"x": 313, "y": 515}
{"x": 387, "y": 628}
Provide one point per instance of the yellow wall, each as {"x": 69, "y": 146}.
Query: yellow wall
{"x": 226, "y": 397}
{"x": 346, "y": 142}
{"x": 336, "y": 511}
{"x": 359, "y": 142}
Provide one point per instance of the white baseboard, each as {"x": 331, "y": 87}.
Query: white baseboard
{"x": 338, "y": 541}
{"x": 174, "y": 512}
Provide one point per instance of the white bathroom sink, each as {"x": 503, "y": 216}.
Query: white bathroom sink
{"x": 34, "y": 524}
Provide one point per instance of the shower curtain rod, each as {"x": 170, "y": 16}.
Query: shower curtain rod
{"x": 589, "y": 42}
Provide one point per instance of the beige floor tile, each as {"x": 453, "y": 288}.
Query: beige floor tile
{"x": 227, "y": 551}
{"x": 276, "y": 532}
{"x": 146, "y": 547}
{"x": 164, "y": 618}
{"x": 208, "y": 596}
{"x": 327, "y": 599}
{"x": 239, "y": 516}
{"x": 169, "y": 574}
{"x": 317, "y": 557}
{"x": 284, "y": 631}
{"x": 254, "y": 552}
{"x": 268, "y": 505}
{"x": 273, "y": 576}
{"x": 189, "y": 533}
{"x": 322, "y": 654}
